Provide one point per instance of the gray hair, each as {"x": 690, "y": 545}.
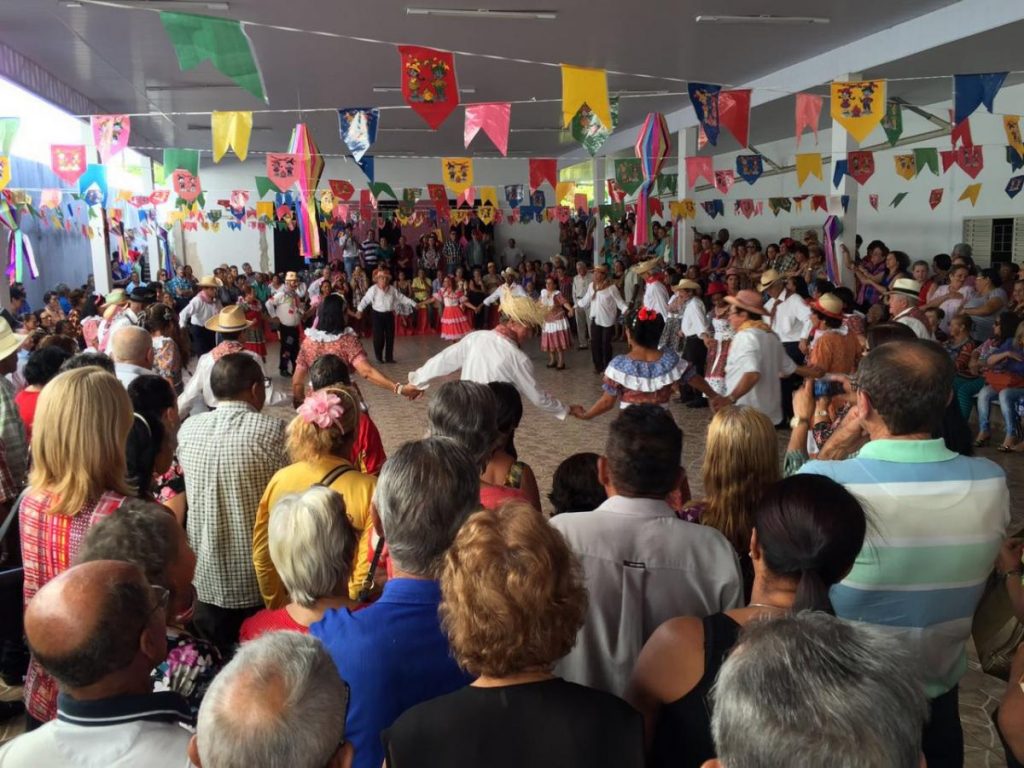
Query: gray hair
{"x": 312, "y": 543}
{"x": 279, "y": 701}
{"x": 139, "y": 532}
{"x": 963, "y": 249}
{"x": 810, "y": 690}
{"x": 130, "y": 344}
{"x": 426, "y": 491}
{"x": 466, "y": 412}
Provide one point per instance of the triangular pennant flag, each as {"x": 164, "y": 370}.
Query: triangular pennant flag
{"x": 839, "y": 170}
{"x": 971, "y": 91}
{"x": 489, "y": 196}
{"x": 514, "y": 195}
{"x": 971, "y": 160}
{"x": 68, "y": 161}
{"x": 282, "y": 169}
{"x": 187, "y": 186}
{"x": 457, "y": 173}
{"x": 263, "y": 185}
{"x": 615, "y": 193}
{"x": 749, "y": 167}
{"x": 777, "y": 204}
{"x": 819, "y": 203}
{"x": 438, "y": 196}
{"x": 1014, "y": 158}
{"x": 799, "y": 203}
{"x": 629, "y": 174}
{"x": 580, "y": 202}
{"x": 927, "y": 157}
{"x": 861, "y": 166}
{"x": 358, "y": 128}
{"x": 704, "y": 98}
{"x": 366, "y": 166}
{"x": 1011, "y": 124}
{"x": 746, "y": 207}
{"x": 588, "y": 129}
{"x": 494, "y": 119}
{"x": 873, "y": 200}
{"x": 713, "y": 208}
{"x": 892, "y": 123}
{"x": 897, "y": 200}
{"x": 5, "y": 171}
{"x": 429, "y": 84}
{"x": 467, "y": 197}
{"x": 231, "y": 129}
{"x": 542, "y": 170}
{"x": 906, "y": 166}
{"x": 948, "y": 158}
{"x": 697, "y": 167}
{"x": 92, "y": 185}
{"x": 564, "y": 190}
{"x": 1014, "y": 185}
{"x": 668, "y": 184}
{"x": 110, "y": 134}
{"x": 186, "y": 159}
{"x": 808, "y": 114}
{"x": 8, "y": 130}
{"x": 381, "y": 187}
{"x": 734, "y": 114}
{"x": 858, "y": 106}
{"x": 960, "y": 133}
{"x": 724, "y": 181}
{"x": 486, "y": 214}
{"x": 583, "y": 85}
{"x": 221, "y": 41}
{"x": 807, "y": 164}
{"x": 935, "y": 198}
{"x": 971, "y": 193}
{"x": 342, "y": 189}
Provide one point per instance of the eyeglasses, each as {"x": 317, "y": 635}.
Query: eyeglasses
{"x": 161, "y": 597}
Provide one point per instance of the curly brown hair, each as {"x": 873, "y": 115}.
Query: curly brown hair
{"x": 512, "y": 593}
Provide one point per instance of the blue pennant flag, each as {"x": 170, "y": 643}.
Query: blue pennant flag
{"x": 358, "y": 127}
{"x": 366, "y": 164}
{"x": 841, "y": 170}
{"x": 845, "y": 201}
{"x": 705, "y": 103}
{"x": 971, "y": 91}
{"x": 513, "y": 195}
{"x": 713, "y": 208}
{"x": 1014, "y": 158}
{"x": 1014, "y": 186}
{"x": 749, "y": 167}
{"x": 92, "y": 185}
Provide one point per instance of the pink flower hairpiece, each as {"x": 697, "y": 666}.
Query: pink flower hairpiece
{"x": 322, "y": 409}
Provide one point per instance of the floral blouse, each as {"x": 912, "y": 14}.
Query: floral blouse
{"x": 167, "y": 361}
{"x": 637, "y": 381}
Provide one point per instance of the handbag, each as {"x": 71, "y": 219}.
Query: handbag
{"x": 996, "y": 630}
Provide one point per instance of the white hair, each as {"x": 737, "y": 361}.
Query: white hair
{"x": 280, "y": 701}
{"x": 312, "y": 543}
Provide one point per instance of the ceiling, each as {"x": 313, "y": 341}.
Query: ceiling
{"x": 116, "y": 57}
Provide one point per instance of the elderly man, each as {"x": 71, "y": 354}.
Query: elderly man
{"x": 138, "y": 300}
{"x": 903, "y": 299}
{"x": 393, "y": 653}
{"x": 100, "y": 629}
{"x": 286, "y": 307}
{"x": 510, "y": 286}
{"x": 179, "y": 289}
{"x": 810, "y": 690}
{"x": 384, "y": 300}
{"x": 229, "y": 323}
{"x": 486, "y": 356}
{"x": 279, "y": 701}
{"x": 603, "y": 300}
{"x": 131, "y": 348}
{"x": 693, "y": 325}
{"x": 580, "y": 287}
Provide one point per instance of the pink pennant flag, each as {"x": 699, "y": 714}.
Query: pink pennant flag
{"x": 467, "y": 196}
{"x": 580, "y": 202}
{"x": 110, "y": 134}
{"x": 494, "y": 119}
{"x": 697, "y": 167}
{"x": 724, "y": 181}
{"x": 808, "y": 114}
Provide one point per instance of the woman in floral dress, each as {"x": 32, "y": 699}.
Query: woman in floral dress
{"x": 254, "y": 339}
{"x": 555, "y": 337}
{"x": 718, "y": 343}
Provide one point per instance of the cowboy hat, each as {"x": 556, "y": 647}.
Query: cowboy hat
{"x": 229, "y": 320}
{"x": 686, "y": 285}
{"x": 142, "y": 295}
{"x": 117, "y": 296}
{"x": 748, "y": 301}
{"x": 651, "y": 265}
{"x": 291, "y": 277}
{"x": 829, "y": 305}
{"x": 770, "y": 277}
{"x": 601, "y": 268}
{"x": 10, "y": 342}
{"x": 509, "y": 272}
{"x": 716, "y": 288}
{"x": 905, "y": 287}
{"x": 209, "y": 281}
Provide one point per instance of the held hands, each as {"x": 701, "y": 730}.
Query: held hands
{"x": 719, "y": 402}
{"x": 577, "y": 411}
{"x": 409, "y": 392}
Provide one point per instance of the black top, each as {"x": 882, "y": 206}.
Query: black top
{"x": 682, "y": 737}
{"x": 550, "y": 723}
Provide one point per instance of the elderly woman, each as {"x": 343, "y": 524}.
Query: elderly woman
{"x": 555, "y": 336}
{"x": 1004, "y": 383}
{"x": 986, "y": 304}
{"x": 950, "y": 298}
{"x": 512, "y": 601}
{"x": 313, "y": 545}
{"x": 968, "y": 383}
{"x": 319, "y": 442}
{"x": 576, "y": 486}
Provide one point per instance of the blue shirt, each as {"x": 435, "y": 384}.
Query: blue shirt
{"x": 393, "y": 655}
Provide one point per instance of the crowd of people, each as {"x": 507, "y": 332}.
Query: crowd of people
{"x": 188, "y": 577}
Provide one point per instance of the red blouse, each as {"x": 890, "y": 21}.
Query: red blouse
{"x": 269, "y": 620}
{"x": 346, "y": 346}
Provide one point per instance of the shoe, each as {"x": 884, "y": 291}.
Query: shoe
{"x": 560, "y": 367}
{"x": 981, "y": 442}
{"x": 550, "y": 365}
{"x": 392, "y": 360}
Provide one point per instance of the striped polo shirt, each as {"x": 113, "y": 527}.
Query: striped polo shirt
{"x": 935, "y": 523}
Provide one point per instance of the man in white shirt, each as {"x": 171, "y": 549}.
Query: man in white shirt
{"x": 285, "y": 306}
{"x": 903, "y": 298}
{"x": 692, "y": 326}
{"x": 384, "y": 300}
{"x": 203, "y": 307}
{"x": 580, "y": 285}
{"x": 510, "y": 286}
{"x": 604, "y": 301}
{"x": 131, "y": 348}
{"x": 513, "y": 256}
{"x": 229, "y": 323}
{"x": 655, "y": 293}
{"x": 486, "y": 356}
{"x": 791, "y": 322}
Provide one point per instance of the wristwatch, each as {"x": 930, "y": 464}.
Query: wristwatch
{"x": 796, "y": 421}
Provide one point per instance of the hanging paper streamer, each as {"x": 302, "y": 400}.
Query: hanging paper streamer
{"x": 19, "y": 253}
{"x": 906, "y": 166}
{"x": 873, "y": 200}
{"x": 971, "y": 91}
{"x": 652, "y": 147}
{"x": 457, "y": 173}
{"x": 839, "y": 172}
{"x": 892, "y": 123}
{"x": 1011, "y": 124}
{"x": 629, "y": 175}
{"x": 861, "y": 166}
{"x": 935, "y": 198}
{"x": 713, "y": 208}
{"x": 704, "y": 98}
{"x": 749, "y": 167}
{"x": 310, "y": 161}
{"x": 92, "y": 185}
{"x": 808, "y": 164}
{"x": 698, "y": 167}
{"x": 110, "y": 134}
{"x": 927, "y": 157}
{"x": 588, "y": 129}
{"x": 68, "y": 161}
{"x": 971, "y": 193}
{"x": 1014, "y": 186}
{"x": 358, "y": 126}
{"x": 8, "y": 130}
{"x": 858, "y": 106}
{"x": 282, "y": 169}
{"x": 808, "y": 115}
{"x": 343, "y": 190}
{"x": 734, "y": 114}
{"x": 897, "y": 200}
{"x": 585, "y": 86}
{"x": 493, "y": 119}
{"x": 971, "y": 160}
{"x": 724, "y": 181}
{"x": 514, "y": 195}
{"x": 429, "y": 85}
{"x": 541, "y": 171}
{"x": 231, "y": 130}
{"x": 221, "y": 41}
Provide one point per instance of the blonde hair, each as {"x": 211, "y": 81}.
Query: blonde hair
{"x": 308, "y": 442}
{"x": 78, "y": 439}
{"x": 741, "y": 460}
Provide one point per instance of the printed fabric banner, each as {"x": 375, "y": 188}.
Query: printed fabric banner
{"x": 858, "y": 106}
{"x": 588, "y": 129}
{"x": 68, "y": 161}
{"x": 892, "y": 123}
{"x": 342, "y": 189}
{"x": 583, "y": 86}
{"x": 906, "y": 166}
{"x": 629, "y": 174}
{"x": 704, "y": 98}
{"x": 429, "y": 84}
{"x": 514, "y": 195}
{"x": 1011, "y": 124}
{"x": 110, "y": 134}
{"x": 861, "y": 166}
{"x": 668, "y": 184}
{"x": 457, "y": 173}
{"x": 358, "y": 127}
{"x": 282, "y": 169}
{"x": 971, "y": 160}
{"x": 749, "y": 167}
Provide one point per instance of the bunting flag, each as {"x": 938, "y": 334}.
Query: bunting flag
{"x": 971, "y": 193}
{"x": 808, "y": 164}
{"x": 585, "y": 86}
{"x": 873, "y": 200}
{"x": 231, "y": 129}
{"x": 897, "y": 200}
{"x": 1011, "y": 124}
{"x": 724, "y": 181}
{"x": 861, "y": 165}
{"x": 409, "y": 197}
{"x": 5, "y": 171}
{"x": 749, "y": 167}
{"x": 892, "y": 123}
{"x": 927, "y": 157}
{"x": 494, "y": 119}
{"x": 8, "y": 130}
{"x": 588, "y": 129}
{"x": 282, "y": 169}
{"x": 429, "y": 85}
{"x": 110, "y": 134}
{"x": 1014, "y": 185}
{"x": 68, "y": 161}
{"x": 564, "y": 190}
{"x": 682, "y": 209}
{"x": 186, "y": 159}
{"x": 668, "y": 184}
{"x": 819, "y": 203}
{"x": 653, "y": 145}
{"x": 489, "y": 196}
{"x": 839, "y": 171}
{"x": 777, "y": 204}
{"x": 948, "y": 158}
{"x": 615, "y": 193}
{"x": 704, "y": 98}
{"x": 186, "y": 185}
{"x": 263, "y": 185}
{"x": 935, "y": 198}
{"x": 358, "y": 128}
{"x": 92, "y": 185}
{"x": 960, "y": 133}
{"x": 906, "y": 166}
{"x": 342, "y": 189}
{"x": 580, "y": 202}
{"x": 734, "y": 114}
{"x": 382, "y": 187}
{"x": 542, "y": 170}
{"x": 221, "y": 41}
{"x": 486, "y": 214}
{"x": 746, "y": 207}
{"x": 514, "y": 195}
{"x": 438, "y": 196}
{"x": 713, "y": 208}
{"x": 971, "y": 160}
{"x": 366, "y": 166}
{"x": 457, "y": 173}
{"x": 971, "y": 91}
{"x": 808, "y": 115}
{"x": 858, "y": 106}
{"x": 697, "y": 167}
{"x": 1014, "y": 158}
{"x": 629, "y": 175}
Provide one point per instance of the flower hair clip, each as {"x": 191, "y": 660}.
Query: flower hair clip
{"x": 646, "y": 314}
{"x": 323, "y": 409}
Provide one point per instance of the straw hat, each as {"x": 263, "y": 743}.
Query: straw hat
{"x": 770, "y": 277}
{"x": 906, "y": 287}
{"x": 117, "y": 296}
{"x": 229, "y": 320}
{"x": 209, "y": 281}
{"x": 10, "y": 342}
{"x": 601, "y": 268}
{"x": 687, "y": 285}
{"x": 509, "y": 272}
{"x": 291, "y": 277}
{"x": 748, "y": 301}
{"x": 651, "y": 265}
{"x": 830, "y": 305}
{"x": 523, "y": 310}
{"x": 716, "y": 288}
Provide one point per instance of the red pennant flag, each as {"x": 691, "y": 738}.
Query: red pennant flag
{"x": 68, "y": 161}
{"x": 341, "y": 189}
{"x": 365, "y": 205}
{"x": 861, "y": 166}
{"x": 971, "y": 160}
{"x": 494, "y": 119}
{"x": 656, "y": 207}
{"x": 429, "y": 85}
{"x": 936, "y": 196}
{"x": 615, "y": 193}
{"x": 734, "y": 114}
{"x": 819, "y": 202}
{"x": 439, "y": 196}
{"x": 948, "y": 158}
{"x": 696, "y": 167}
{"x": 960, "y": 133}
{"x": 808, "y": 114}
{"x": 543, "y": 170}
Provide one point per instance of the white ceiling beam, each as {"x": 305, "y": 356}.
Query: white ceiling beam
{"x": 940, "y": 27}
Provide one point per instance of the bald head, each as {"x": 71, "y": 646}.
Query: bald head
{"x": 909, "y": 384}
{"x": 132, "y": 345}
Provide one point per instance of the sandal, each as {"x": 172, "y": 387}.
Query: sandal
{"x": 981, "y": 442}
{"x": 1006, "y": 448}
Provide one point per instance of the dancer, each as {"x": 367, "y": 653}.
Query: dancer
{"x": 510, "y": 284}
{"x": 285, "y": 306}
{"x": 454, "y": 324}
{"x": 606, "y": 299}
{"x": 555, "y": 336}
{"x": 655, "y": 293}
{"x": 719, "y": 338}
{"x": 385, "y": 301}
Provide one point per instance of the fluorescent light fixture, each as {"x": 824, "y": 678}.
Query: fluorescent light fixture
{"x": 638, "y": 94}
{"x": 192, "y": 87}
{"x": 483, "y": 13}
{"x": 761, "y": 19}
{"x": 167, "y": 5}
{"x": 397, "y": 89}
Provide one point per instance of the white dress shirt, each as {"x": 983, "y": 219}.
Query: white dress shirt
{"x": 389, "y": 299}
{"x": 284, "y": 305}
{"x": 791, "y": 320}
{"x": 497, "y": 293}
{"x": 757, "y": 351}
{"x": 126, "y": 373}
{"x": 198, "y": 311}
{"x": 603, "y": 303}
{"x": 486, "y": 356}
{"x": 198, "y": 387}
{"x": 920, "y": 329}
{"x": 695, "y": 318}
{"x": 580, "y": 285}
{"x": 656, "y": 297}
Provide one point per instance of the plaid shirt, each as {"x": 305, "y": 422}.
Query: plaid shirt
{"x": 453, "y": 252}
{"x": 9, "y": 489}
{"x": 12, "y": 433}
{"x": 228, "y": 456}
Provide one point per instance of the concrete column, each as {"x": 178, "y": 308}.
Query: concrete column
{"x": 597, "y": 166}
{"x": 842, "y": 144}
{"x": 99, "y": 243}
{"x": 153, "y": 257}
{"x": 686, "y": 146}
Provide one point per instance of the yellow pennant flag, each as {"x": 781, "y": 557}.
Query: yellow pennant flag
{"x": 265, "y": 209}
{"x": 124, "y": 195}
{"x": 1011, "y": 124}
{"x": 971, "y": 193}
{"x": 563, "y": 190}
{"x": 486, "y": 213}
{"x": 231, "y": 129}
{"x": 808, "y": 164}
{"x": 327, "y": 201}
{"x": 682, "y": 209}
{"x": 859, "y": 106}
{"x": 5, "y": 171}
{"x": 906, "y": 166}
{"x": 582, "y": 85}
{"x": 488, "y": 196}
{"x": 457, "y": 173}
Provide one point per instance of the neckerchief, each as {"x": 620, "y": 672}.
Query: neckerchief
{"x": 755, "y": 325}
{"x": 502, "y": 330}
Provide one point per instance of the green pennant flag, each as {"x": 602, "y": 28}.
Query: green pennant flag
{"x": 185, "y": 159}
{"x": 897, "y": 200}
{"x": 780, "y": 204}
{"x": 668, "y": 184}
{"x": 588, "y": 130}
{"x": 629, "y": 175}
{"x": 612, "y": 211}
{"x": 8, "y": 130}
{"x": 411, "y": 194}
{"x": 263, "y": 185}
{"x": 928, "y": 156}
{"x": 159, "y": 173}
{"x": 223, "y": 41}
{"x": 377, "y": 188}
{"x": 892, "y": 123}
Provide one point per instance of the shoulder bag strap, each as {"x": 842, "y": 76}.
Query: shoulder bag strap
{"x": 328, "y": 479}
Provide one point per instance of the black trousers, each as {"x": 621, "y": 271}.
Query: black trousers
{"x": 790, "y": 384}
{"x": 942, "y": 741}
{"x": 220, "y": 626}
{"x": 289, "y": 346}
{"x": 384, "y": 336}
{"x": 203, "y": 339}
{"x": 695, "y": 352}
{"x": 600, "y": 345}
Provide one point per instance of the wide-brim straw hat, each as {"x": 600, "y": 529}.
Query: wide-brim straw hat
{"x": 115, "y": 297}
{"x": 686, "y": 285}
{"x": 229, "y": 320}
{"x": 905, "y": 286}
{"x": 509, "y": 272}
{"x": 10, "y": 342}
{"x": 523, "y": 310}
{"x": 601, "y": 268}
{"x": 651, "y": 265}
{"x": 748, "y": 301}
{"x": 209, "y": 281}
{"x": 769, "y": 278}
{"x": 291, "y": 276}
{"x": 830, "y": 305}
